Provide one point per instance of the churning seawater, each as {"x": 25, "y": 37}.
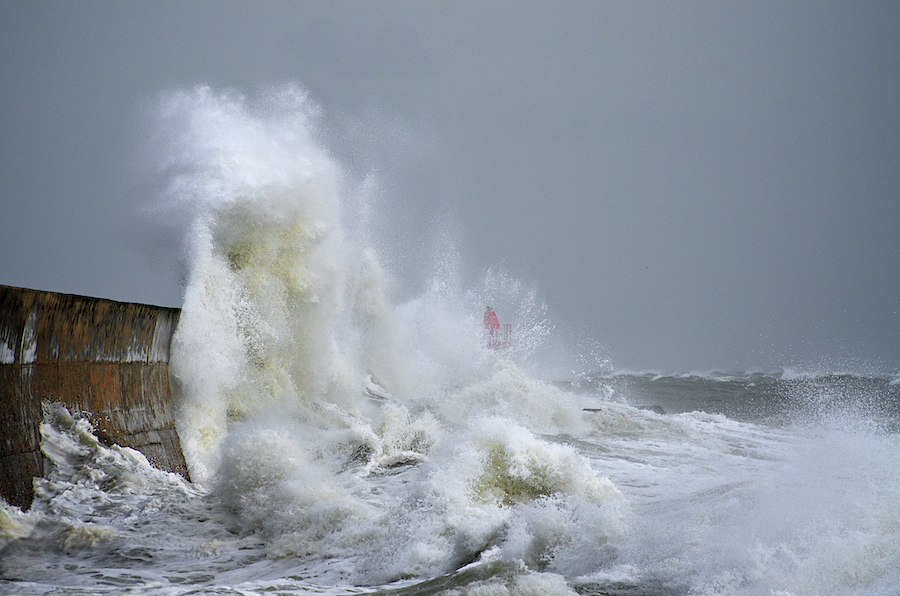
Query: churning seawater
{"x": 342, "y": 442}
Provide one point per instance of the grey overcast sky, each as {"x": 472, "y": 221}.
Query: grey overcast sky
{"x": 697, "y": 185}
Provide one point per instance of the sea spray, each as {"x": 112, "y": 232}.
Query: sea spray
{"x": 283, "y": 305}
{"x": 266, "y": 262}
{"x": 331, "y": 421}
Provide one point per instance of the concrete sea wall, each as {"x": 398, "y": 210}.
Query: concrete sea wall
{"x": 106, "y": 359}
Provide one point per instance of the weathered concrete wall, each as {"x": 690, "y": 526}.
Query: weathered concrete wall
{"x": 108, "y": 359}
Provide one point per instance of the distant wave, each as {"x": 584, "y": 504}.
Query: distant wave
{"x": 786, "y": 374}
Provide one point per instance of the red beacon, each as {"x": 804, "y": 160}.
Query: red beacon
{"x": 498, "y": 336}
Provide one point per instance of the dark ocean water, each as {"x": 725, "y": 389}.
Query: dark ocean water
{"x": 780, "y": 398}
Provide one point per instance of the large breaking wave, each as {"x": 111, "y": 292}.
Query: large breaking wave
{"x": 339, "y": 424}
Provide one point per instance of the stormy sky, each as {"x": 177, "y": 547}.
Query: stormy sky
{"x": 695, "y": 185}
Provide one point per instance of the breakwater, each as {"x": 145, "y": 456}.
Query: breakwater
{"x": 104, "y": 359}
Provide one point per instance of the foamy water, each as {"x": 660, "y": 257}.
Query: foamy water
{"x": 344, "y": 442}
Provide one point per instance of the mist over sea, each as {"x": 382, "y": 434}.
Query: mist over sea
{"x": 342, "y": 441}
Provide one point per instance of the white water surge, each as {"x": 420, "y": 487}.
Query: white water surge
{"x": 339, "y": 426}
{"x": 343, "y": 442}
